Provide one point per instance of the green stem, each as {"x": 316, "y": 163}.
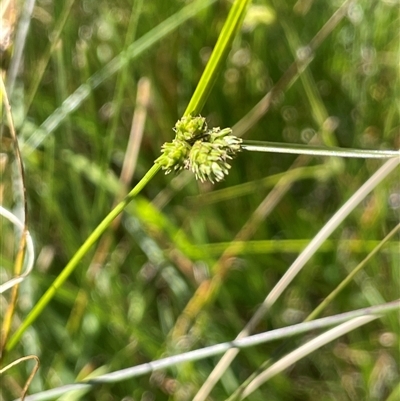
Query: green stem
{"x": 221, "y": 49}
{"x": 81, "y": 252}
{"x": 197, "y": 101}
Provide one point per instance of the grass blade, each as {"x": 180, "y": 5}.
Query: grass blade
{"x": 261, "y": 338}
{"x": 312, "y": 150}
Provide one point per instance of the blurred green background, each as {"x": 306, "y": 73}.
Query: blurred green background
{"x": 126, "y": 309}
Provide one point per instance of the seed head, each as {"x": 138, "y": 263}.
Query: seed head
{"x": 196, "y": 148}
{"x": 174, "y": 155}
{"x": 190, "y": 128}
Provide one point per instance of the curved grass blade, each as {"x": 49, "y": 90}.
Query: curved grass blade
{"x": 25, "y": 241}
{"x": 30, "y": 251}
{"x": 31, "y": 376}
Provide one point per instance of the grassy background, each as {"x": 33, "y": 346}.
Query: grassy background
{"x": 125, "y": 311}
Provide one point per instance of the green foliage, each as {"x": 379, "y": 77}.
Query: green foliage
{"x": 189, "y": 262}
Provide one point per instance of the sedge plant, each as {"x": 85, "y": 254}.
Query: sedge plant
{"x": 207, "y": 152}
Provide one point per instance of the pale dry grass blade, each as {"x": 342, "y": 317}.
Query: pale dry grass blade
{"x": 7, "y": 21}
{"x": 128, "y": 167}
{"x": 20, "y": 40}
{"x": 20, "y": 186}
{"x": 25, "y": 240}
{"x": 305, "y": 350}
{"x": 30, "y": 251}
{"x": 328, "y": 228}
{"x": 136, "y": 133}
{"x": 216, "y": 349}
{"x": 31, "y": 376}
{"x": 313, "y": 150}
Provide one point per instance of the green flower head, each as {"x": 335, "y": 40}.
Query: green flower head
{"x": 190, "y": 128}
{"x": 208, "y": 161}
{"x": 196, "y": 148}
{"x": 222, "y": 138}
{"x": 174, "y": 155}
